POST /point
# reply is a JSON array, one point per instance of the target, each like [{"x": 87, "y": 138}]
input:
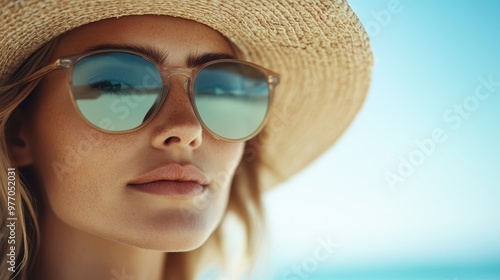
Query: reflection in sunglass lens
[
  {"x": 231, "y": 98},
  {"x": 116, "y": 91}
]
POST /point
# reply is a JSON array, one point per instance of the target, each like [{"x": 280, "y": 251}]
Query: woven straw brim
[{"x": 319, "y": 48}]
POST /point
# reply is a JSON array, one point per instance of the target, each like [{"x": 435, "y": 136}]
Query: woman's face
[{"x": 86, "y": 174}]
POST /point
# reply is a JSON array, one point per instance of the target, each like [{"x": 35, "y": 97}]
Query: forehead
[{"x": 176, "y": 37}]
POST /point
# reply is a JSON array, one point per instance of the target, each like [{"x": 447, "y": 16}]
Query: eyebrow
[
  {"x": 196, "y": 60},
  {"x": 161, "y": 57},
  {"x": 154, "y": 53}
]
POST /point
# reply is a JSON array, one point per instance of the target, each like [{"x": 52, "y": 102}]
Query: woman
[{"x": 133, "y": 131}]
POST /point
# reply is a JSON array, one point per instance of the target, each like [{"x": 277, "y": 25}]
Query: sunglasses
[{"x": 119, "y": 91}]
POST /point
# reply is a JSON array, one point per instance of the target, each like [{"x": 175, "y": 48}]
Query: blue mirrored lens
[
  {"x": 232, "y": 99},
  {"x": 116, "y": 91}
]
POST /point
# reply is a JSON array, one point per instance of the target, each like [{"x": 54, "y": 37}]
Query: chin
[
  {"x": 178, "y": 242},
  {"x": 171, "y": 230},
  {"x": 168, "y": 235}
]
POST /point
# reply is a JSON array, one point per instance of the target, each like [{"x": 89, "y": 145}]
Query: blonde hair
[{"x": 244, "y": 200}]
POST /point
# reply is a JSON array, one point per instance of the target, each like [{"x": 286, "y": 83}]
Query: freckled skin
[{"x": 84, "y": 173}]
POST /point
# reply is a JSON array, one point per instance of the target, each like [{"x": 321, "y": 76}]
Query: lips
[{"x": 173, "y": 180}]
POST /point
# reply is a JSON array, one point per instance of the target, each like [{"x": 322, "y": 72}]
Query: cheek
[
  {"x": 224, "y": 160},
  {"x": 68, "y": 154},
  {"x": 55, "y": 133}
]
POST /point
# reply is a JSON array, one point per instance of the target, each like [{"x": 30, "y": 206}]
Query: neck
[{"x": 67, "y": 253}]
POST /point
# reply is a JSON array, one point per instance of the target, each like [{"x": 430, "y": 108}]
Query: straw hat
[{"x": 318, "y": 47}]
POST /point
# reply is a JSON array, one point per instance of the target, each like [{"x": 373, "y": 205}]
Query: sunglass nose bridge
[{"x": 186, "y": 72}]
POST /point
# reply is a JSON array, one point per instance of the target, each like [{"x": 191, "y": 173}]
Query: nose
[{"x": 176, "y": 124}]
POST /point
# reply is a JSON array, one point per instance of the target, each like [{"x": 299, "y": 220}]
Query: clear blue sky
[{"x": 431, "y": 124}]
